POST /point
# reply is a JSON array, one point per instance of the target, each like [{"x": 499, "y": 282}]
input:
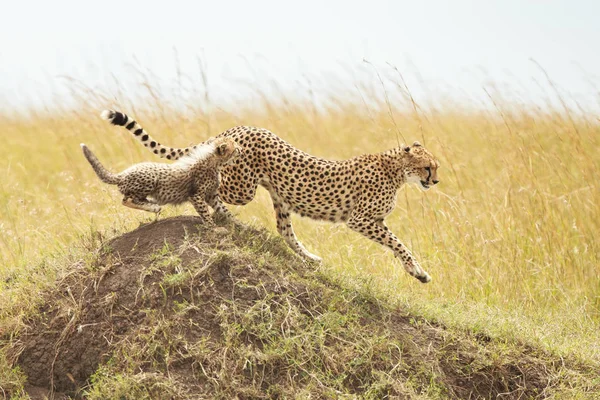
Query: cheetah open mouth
[{"x": 424, "y": 185}]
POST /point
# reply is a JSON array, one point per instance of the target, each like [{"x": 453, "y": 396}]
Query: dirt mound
[
  {"x": 172, "y": 310},
  {"x": 93, "y": 309}
]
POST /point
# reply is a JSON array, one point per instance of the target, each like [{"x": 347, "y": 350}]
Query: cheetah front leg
[
  {"x": 377, "y": 231},
  {"x": 284, "y": 227}
]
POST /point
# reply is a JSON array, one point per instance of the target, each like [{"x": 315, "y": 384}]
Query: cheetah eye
[{"x": 428, "y": 169}]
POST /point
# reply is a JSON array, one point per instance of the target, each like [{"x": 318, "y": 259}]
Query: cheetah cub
[{"x": 194, "y": 177}]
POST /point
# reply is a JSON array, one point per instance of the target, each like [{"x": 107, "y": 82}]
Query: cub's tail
[
  {"x": 121, "y": 119},
  {"x": 105, "y": 175}
]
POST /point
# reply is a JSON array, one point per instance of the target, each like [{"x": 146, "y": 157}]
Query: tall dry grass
[{"x": 509, "y": 235}]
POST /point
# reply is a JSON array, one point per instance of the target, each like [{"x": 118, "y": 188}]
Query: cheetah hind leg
[
  {"x": 142, "y": 204},
  {"x": 285, "y": 229}
]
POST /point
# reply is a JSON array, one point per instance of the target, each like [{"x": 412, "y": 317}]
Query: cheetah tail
[
  {"x": 121, "y": 119},
  {"x": 105, "y": 175}
]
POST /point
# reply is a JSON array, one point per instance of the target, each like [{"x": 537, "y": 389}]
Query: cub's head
[
  {"x": 421, "y": 166},
  {"x": 226, "y": 150}
]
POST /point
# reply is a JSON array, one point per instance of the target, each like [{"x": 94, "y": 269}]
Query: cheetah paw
[{"x": 425, "y": 278}]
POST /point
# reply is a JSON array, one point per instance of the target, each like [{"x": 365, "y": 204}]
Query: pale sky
[{"x": 455, "y": 44}]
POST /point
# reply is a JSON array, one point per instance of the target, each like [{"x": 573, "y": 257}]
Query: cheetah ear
[
  {"x": 407, "y": 149},
  {"x": 417, "y": 144}
]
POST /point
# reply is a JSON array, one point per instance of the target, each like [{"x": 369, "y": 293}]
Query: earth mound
[{"x": 173, "y": 310}]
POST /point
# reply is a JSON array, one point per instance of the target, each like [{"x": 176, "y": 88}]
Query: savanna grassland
[{"x": 509, "y": 236}]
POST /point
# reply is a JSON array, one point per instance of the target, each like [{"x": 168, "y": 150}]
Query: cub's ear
[
  {"x": 407, "y": 149},
  {"x": 222, "y": 149},
  {"x": 417, "y": 144}
]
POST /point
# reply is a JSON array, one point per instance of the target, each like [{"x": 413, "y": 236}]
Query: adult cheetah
[
  {"x": 360, "y": 191},
  {"x": 195, "y": 178}
]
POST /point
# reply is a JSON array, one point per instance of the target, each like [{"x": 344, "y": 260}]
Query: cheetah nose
[{"x": 434, "y": 181}]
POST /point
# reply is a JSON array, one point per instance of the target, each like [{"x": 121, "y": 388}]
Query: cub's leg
[
  {"x": 136, "y": 189},
  {"x": 201, "y": 207},
  {"x": 141, "y": 204},
  {"x": 377, "y": 231},
  {"x": 284, "y": 227},
  {"x": 215, "y": 202}
]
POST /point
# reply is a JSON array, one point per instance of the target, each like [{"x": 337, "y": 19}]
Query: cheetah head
[
  {"x": 421, "y": 167},
  {"x": 227, "y": 150}
]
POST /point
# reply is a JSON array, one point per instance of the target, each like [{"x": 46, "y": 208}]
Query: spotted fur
[
  {"x": 360, "y": 191},
  {"x": 195, "y": 178}
]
